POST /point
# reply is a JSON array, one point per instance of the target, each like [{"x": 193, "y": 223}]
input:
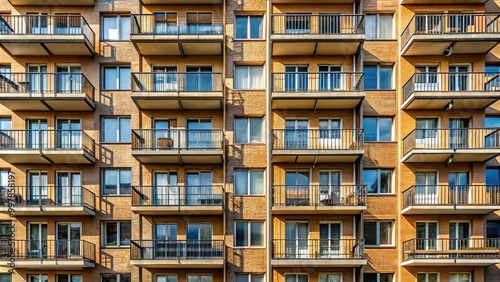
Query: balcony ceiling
[
  {"x": 450, "y": 209},
  {"x": 461, "y": 100},
  {"x": 174, "y": 47},
  {"x": 427, "y": 45},
  {"x": 178, "y": 100},
  {"x": 301, "y": 48}
]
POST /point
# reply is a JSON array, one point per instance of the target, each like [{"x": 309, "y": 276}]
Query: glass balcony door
[
  {"x": 37, "y": 79},
  {"x": 297, "y": 239},
  {"x": 459, "y": 78},
  {"x": 330, "y": 235},
  {"x": 37, "y": 240},
  {"x": 69, "y": 134},
  {"x": 297, "y": 188},
  {"x": 68, "y": 24},
  {"x": 459, "y": 188},
  {"x": 165, "y": 191},
  {"x": 329, "y": 188},
  {"x": 296, "y": 78},
  {"x": 37, "y": 135},
  {"x": 427, "y": 234},
  {"x": 165, "y": 244},
  {"x": 198, "y": 187},
  {"x": 426, "y": 79},
  {"x": 330, "y": 78},
  {"x": 165, "y": 79},
  {"x": 68, "y": 79},
  {"x": 68, "y": 240},
  {"x": 329, "y": 24},
  {"x": 459, "y": 235},
  {"x": 199, "y": 135},
  {"x": 296, "y": 134},
  {"x": 37, "y": 23},
  {"x": 165, "y": 23},
  {"x": 199, "y": 240},
  {"x": 428, "y": 24},
  {"x": 199, "y": 23},
  {"x": 426, "y": 133},
  {"x": 426, "y": 192},
  {"x": 459, "y": 133},
  {"x": 330, "y": 134},
  {"x": 199, "y": 78},
  {"x": 37, "y": 188},
  {"x": 298, "y": 24},
  {"x": 69, "y": 189},
  {"x": 162, "y": 137}
]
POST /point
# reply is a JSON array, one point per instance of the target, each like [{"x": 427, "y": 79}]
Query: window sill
[{"x": 249, "y": 39}]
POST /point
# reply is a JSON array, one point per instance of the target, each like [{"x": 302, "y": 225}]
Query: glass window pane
[
  {"x": 386, "y": 77},
  {"x": 255, "y": 130},
  {"x": 125, "y": 233},
  {"x": 110, "y": 78},
  {"x": 125, "y": 182},
  {"x": 124, "y": 28},
  {"x": 385, "y": 26},
  {"x": 109, "y": 129},
  {"x": 241, "y": 130},
  {"x": 110, "y": 182},
  {"x": 370, "y": 277},
  {"x": 110, "y": 28},
  {"x": 256, "y": 182},
  {"x": 257, "y": 234},
  {"x": 125, "y": 131},
  {"x": 370, "y": 127},
  {"x": 241, "y": 182},
  {"x": 370, "y": 179},
  {"x": 489, "y": 122},
  {"x": 256, "y": 27},
  {"x": 241, "y": 27},
  {"x": 370, "y": 77},
  {"x": 124, "y": 78},
  {"x": 5, "y": 124},
  {"x": 111, "y": 234},
  {"x": 385, "y": 129},
  {"x": 125, "y": 277},
  {"x": 241, "y": 77},
  {"x": 241, "y": 278},
  {"x": 5, "y": 278},
  {"x": 241, "y": 234},
  {"x": 255, "y": 77},
  {"x": 371, "y": 26},
  {"x": 385, "y": 233},
  {"x": 257, "y": 278},
  {"x": 371, "y": 233},
  {"x": 386, "y": 181}
]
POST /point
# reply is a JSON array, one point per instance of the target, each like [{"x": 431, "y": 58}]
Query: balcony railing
[
  {"x": 58, "y": 196},
  {"x": 319, "y": 195},
  {"x": 324, "y": 24},
  {"x": 174, "y": 195},
  {"x": 437, "y": 195},
  {"x": 318, "y": 82},
  {"x": 452, "y": 82},
  {"x": 47, "y": 250},
  {"x": 148, "y": 25},
  {"x": 177, "y": 139},
  {"x": 40, "y": 84},
  {"x": 177, "y": 82},
  {"x": 176, "y": 249},
  {"x": 452, "y": 248},
  {"x": 46, "y": 140},
  {"x": 330, "y": 249},
  {"x": 443, "y": 139},
  {"x": 450, "y": 23},
  {"x": 46, "y": 25},
  {"x": 318, "y": 139}
]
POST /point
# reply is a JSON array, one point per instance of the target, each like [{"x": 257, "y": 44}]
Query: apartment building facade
[{"x": 278, "y": 140}]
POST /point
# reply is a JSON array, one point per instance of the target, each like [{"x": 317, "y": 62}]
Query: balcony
[
  {"x": 47, "y": 147},
  {"x": 48, "y": 201},
  {"x": 318, "y": 253},
  {"x": 178, "y": 146},
  {"x": 317, "y": 146},
  {"x": 52, "y": 2},
  {"x": 175, "y": 200},
  {"x": 46, "y": 92},
  {"x": 314, "y": 1},
  {"x": 444, "y": 34},
  {"x": 468, "y": 90},
  {"x": 451, "y": 199},
  {"x": 181, "y": 2},
  {"x": 323, "y": 90},
  {"x": 319, "y": 199},
  {"x": 48, "y": 254},
  {"x": 442, "y": 2},
  {"x": 177, "y": 253},
  {"x": 41, "y": 35},
  {"x": 152, "y": 37},
  {"x": 317, "y": 35},
  {"x": 447, "y": 145},
  {"x": 178, "y": 91},
  {"x": 451, "y": 252}
]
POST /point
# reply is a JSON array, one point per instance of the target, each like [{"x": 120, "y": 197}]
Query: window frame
[
  {"x": 249, "y": 276},
  {"x": 199, "y": 276},
  {"x": 377, "y": 233},
  {"x": 249, "y": 27},
  {"x": 118, "y": 170},
  {"x": 119, "y": 27},
  {"x": 104, "y": 234},
  {"x": 249, "y": 181},
  {"x": 249, "y": 234},
  {"x": 378, "y": 27},
  {"x": 118, "y": 79},
  {"x": 8, "y": 275},
  {"x": 391, "y": 278},
  {"x": 69, "y": 276},
  {"x": 248, "y": 87},
  {"x": 427, "y": 275},
  {"x": 378, "y": 128},
  {"x": 117, "y": 276},
  {"x": 118, "y": 131},
  {"x": 379, "y": 181},
  {"x": 166, "y": 275},
  {"x": 249, "y": 130},
  {"x": 379, "y": 66},
  {"x": 462, "y": 272}
]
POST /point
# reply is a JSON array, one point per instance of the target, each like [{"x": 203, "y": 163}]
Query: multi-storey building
[{"x": 278, "y": 140}]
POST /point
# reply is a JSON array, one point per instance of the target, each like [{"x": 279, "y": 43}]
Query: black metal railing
[
  {"x": 176, "y": 249},
  {"x": 40, "y": 84},
  {"x": 53, "y": 196},
  {"x": 319, "y": 195},
  {"x": 46, "y": 25},
  {"x": 452, "y": 82},
  {"x": 318, "y": 139},
  {"x": 318, "y": 249},
  {"x": 175, "y": 195},
  {"x": 46, "y": 140},
  {"x": 459, "y": 248},
  {"x": 324, "y": 24},
  {"x": 446, "y": 195},
  {"x": 177, "y": 139},
  {"x": 176, "y": 82},
  {"x": 317, "y": 81},
  {"x": 450, "y": 23},
  {"x": 464, "y": 138},
  {"x": 47, "y": 250},
  {"x": 149, "y": 25}
]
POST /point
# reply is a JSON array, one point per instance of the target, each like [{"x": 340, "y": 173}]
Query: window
[
  {"x": 166, "y": 278},
  {"x": 249, "y": 277},
  {"x": 69, "y": 278},
  {"x": 378, "y": 128},
  {"x": 38, "y": 278},
  {"x": 330, "y": 277},
  {"x": 249, "y": 27},
  {"x": 115, "y": 27},
  {"x": 379, "y": 26},
  {"x": 125, "y": 277},
  {"x": 296, "y": 278},
  {"x": 199, "y": 278},
  {"x": 493, "y": 230},
  {"x": 5, "y": 277},
  {"x": 5, "y": 231},
  {"x": 378, "y": 77},
  {"x": 460, "y": 277},
  {"x": 116, "y": 181},
  {"x": 248, "y": 130},
  {"x": 249, "y": 234},
  {"x": 6, "y": 123},
  {"x": 4, "y": 178},
  {"x": 377, "y": 277},
  {"x": 248, "y": 77},
  {"x": 378, "y": 181},
  {"x": 248, "y": 182},
  {"x": 5, "y": 73},
  {"x": 116, "y": 78},
  {"x": 115, "y": 129},
  {"x": 117, "y": 233},
  {"x": 379, "y": 233},
  {"x": 492, "y": 122},
  {"x": 428, "y": 277}
]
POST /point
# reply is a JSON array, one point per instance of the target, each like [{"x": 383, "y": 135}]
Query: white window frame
[
  {"x": 249, "y": 276},
  {"x": 119, "y": 27},
  {"x": 330, "y": 273},
  {"x": 377, "y": 233},
  {"x": 166, "y": 275},
  {"x": 199, "y": 276},
  {"x": 248, "y": 86},
  {"x": 118, "y": 132},
  {"x": 249, "y": 141},
  {"x": 118, "y": 235},
  {"x": 378, "y": 26},
  {"x": 249, "y": 179},
  {"x": 470, "y": 274},
  {"x": 118, "y": 276},
  {"x": 249, "y": 235},
  {"x": 296, "y": 275},
  {"x": 249, "y": 27},
  {"x": 118, "y": 182},
  {"x": 378, "y": 128},
  {"x": 118, "y": 78},
  {"x": 379, "y": 180},
  {"x": 427, "y": 275}
]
